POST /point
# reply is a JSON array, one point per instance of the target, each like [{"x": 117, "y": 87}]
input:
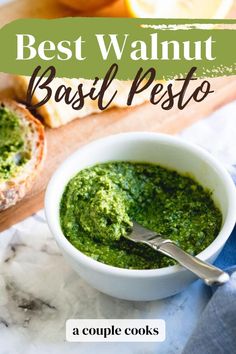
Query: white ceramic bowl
[{"x": 145, "y": 147}]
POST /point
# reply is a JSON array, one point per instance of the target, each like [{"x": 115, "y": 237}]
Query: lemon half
[{"x": 179, "y": 8}]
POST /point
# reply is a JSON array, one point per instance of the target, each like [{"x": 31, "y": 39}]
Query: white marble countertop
[{"x": 39, "y": 292}]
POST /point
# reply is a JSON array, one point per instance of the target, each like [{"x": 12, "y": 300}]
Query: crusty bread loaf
[
  {"x": 15, "y": 189},
  {"x": 56, "y": 114}
]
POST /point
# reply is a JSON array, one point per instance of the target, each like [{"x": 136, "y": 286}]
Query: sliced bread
[{"x": 27, "y": 161}]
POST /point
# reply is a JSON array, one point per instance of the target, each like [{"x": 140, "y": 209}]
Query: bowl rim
[{"x": 217, "y": 244}]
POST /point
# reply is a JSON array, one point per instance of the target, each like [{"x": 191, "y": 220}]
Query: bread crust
[{"x": 11, "y": 191}]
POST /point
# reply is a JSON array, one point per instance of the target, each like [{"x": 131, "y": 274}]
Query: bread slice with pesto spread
[{"x": 22, "y": 151}]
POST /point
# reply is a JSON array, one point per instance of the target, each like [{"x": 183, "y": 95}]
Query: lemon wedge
[{"x": 179, "y": 8}]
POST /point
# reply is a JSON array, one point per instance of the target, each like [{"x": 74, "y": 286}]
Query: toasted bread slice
[{"x": 15, "y": 188}]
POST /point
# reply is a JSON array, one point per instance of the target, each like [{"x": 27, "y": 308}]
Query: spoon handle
[{"x": 208, "y": 273}]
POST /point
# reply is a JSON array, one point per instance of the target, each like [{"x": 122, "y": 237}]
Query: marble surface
[{"x": 39, "y": 291}]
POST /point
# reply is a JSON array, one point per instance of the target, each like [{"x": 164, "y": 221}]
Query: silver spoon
[{"x": 208, "y": 273}]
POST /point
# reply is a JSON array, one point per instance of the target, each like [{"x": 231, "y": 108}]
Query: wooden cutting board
[{"x": 63, "y": 141}]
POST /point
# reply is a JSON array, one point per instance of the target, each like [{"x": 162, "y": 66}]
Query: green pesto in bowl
[
  {"x": 13, "y": 150},
  {"x": 100, "y": 202}
]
